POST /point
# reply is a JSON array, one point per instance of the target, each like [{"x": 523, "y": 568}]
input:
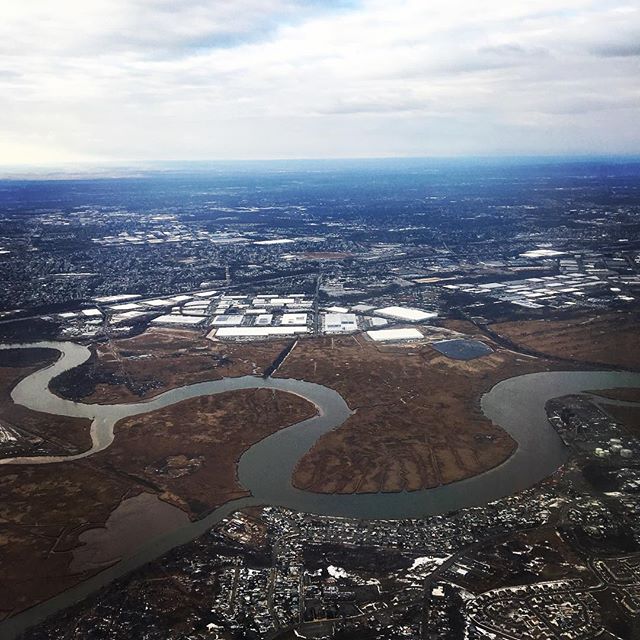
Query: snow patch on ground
[{"x": 337, "y": 572}]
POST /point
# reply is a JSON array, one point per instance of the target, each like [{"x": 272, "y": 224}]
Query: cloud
[
  {"x": 289, "y": 78},
  {"x": 621, "y": 50},
  {"x": 144, "y": 27},
  {"x": 389, "y": 104}
]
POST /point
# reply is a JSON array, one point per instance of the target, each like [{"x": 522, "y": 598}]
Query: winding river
[{"x": 517, "y": 405}]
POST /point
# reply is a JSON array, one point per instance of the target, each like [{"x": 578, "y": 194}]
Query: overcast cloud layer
[{"x": 161, "y": 79}]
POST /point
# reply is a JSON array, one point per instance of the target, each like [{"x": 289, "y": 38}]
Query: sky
[{"x": 140, "y": 80}]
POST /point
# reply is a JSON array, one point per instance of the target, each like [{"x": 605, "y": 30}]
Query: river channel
[{"x": 517, "y": 405}]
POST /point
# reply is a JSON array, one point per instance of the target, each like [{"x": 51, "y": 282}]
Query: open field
[
  {"x": 610, "y": 339},
  {"x": 160, "y": 359},
  {"x": 418, "y": 421}
]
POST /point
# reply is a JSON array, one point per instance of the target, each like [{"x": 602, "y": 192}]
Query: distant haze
[{"x": 114, "y": 80}]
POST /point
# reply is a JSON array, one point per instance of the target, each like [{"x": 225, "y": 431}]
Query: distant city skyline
[{"x": 135, "y": 80}]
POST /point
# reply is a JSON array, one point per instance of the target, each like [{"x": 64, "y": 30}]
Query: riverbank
[
  {"x": 265, "y": 469},
  {"x": 418, "y": 423}
]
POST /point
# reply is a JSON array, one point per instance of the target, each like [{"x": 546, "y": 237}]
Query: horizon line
[{"x": 138, "y": 163}]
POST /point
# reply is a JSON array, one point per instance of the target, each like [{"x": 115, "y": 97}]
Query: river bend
[{"x": 517, "y": 405}]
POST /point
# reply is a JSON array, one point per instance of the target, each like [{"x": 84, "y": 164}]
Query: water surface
[{"x": 517, "y": 405}]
